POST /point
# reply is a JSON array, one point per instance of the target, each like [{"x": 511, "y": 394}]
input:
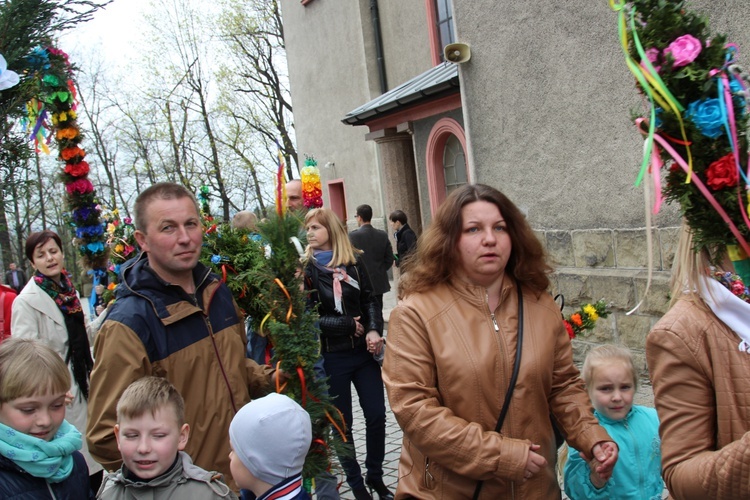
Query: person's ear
[
  {"x": 117, "y": 435},
  {"x": 140, "y": 238},
  {"x": 184, "y": 435}
]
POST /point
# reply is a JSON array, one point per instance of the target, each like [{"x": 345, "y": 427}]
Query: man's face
[
  {"x": 12, "y": 266},
  {"x": 173, "y": 237},
  {"x": 294, "y": 196}
]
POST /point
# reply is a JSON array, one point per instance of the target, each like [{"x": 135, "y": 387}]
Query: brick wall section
[{"x": 612, "y": 264}]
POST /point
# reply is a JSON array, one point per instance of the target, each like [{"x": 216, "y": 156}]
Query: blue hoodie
[{"x": 637, "y": 474}]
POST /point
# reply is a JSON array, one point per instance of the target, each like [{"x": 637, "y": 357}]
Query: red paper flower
[
  {"x": 722, "y": 173},
  {"x": 77, "y": 169},
  {"x": 569, "y": 329},
  {"x": 80, "y": 186}
]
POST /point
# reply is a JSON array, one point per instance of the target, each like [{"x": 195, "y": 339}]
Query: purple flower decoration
[{"x": 684, "y": 50}]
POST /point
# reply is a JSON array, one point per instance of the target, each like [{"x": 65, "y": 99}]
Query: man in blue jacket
[{"x": 175, "y": 319}]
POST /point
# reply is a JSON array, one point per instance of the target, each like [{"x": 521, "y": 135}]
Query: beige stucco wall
[{"x": 333, "y": 70}]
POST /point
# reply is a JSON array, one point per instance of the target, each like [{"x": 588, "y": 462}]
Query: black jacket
[
  {"x": 337, "y": 331},
  {"x": 21, "y": 279},
  {"x": 377, "y": 256},
  {"x": 406, "y": 243},
  {"x": 17, "y": 484}
]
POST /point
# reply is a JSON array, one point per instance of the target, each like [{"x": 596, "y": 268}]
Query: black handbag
[{"x": 513, "y": 378}]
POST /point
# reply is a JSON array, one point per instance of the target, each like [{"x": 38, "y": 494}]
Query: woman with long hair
[
  {"x": 48, "y": 309},
  {"x": 698, "y": 357},
  {"x": 351, "y": 326},
  {"x": 479, "y": 365}
]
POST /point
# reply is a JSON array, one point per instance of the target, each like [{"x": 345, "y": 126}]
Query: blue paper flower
[
  {"x": 38, "y": 59},
  {"x": 706, "y": 115},
  {"x": 215, "y": 259}
]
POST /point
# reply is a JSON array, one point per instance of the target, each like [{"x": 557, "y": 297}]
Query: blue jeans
[{"x": 358, "y": 367}]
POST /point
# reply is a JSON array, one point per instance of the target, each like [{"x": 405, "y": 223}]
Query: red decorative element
[
  {"x": 80, "y": 186},
  {"x": 722, "y": 173},
  {"x": 79, "y": 169},
  {"x": 569, "y": 329}
]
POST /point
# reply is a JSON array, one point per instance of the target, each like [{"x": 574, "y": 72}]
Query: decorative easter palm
[
  {"x": 696, "y": 121},
  {"x": 52, "y": 114}
]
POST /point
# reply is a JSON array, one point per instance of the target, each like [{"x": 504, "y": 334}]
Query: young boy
[
  {"x": 151, "y": 433},
  {"x": 270, "y": 438}
]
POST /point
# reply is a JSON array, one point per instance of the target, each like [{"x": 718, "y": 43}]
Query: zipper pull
[{"x": 494, "y": 322}]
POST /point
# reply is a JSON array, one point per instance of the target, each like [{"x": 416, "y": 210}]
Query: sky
[{"x": 115, "y": 31}]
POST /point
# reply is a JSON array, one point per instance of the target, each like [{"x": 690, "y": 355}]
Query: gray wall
[
  {"x": 548, "y": 97},
  {"x": 333, "y": 70}
]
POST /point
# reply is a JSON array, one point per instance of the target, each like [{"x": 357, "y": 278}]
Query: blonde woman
[
  {"x": 699, "y": 364},
  {"x": 351, "y": 326}
]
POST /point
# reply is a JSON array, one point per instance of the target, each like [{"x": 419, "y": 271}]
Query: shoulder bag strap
[{"x": 513, "y": 377}]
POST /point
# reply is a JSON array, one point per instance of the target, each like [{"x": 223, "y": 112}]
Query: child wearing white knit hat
[{"x": 270, "y": 438}]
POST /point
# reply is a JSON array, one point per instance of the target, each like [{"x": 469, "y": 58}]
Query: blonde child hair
[
  {"x": 150, "y": 394},
  {"x": 604, "y": 355},
  {"x": 28, "y": 368},
  {"x": 343, "y": 251}
]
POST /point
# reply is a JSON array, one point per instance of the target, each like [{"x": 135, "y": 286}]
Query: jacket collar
[
  {"x": 603, "y": 418},
  {"x": 478, "y": 294},
  {"x": 39, "y": 300},
  {"x": 139, "y": 279}
]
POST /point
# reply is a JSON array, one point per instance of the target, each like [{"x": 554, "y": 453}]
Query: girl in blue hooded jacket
[
  {"x": 38, "y": 448},
  {"x": 611, "y": 380}
]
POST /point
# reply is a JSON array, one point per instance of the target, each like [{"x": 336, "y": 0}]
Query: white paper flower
[{"x": 8, "y": 78}]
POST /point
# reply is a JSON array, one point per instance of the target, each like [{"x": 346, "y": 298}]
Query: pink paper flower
[
  {"x": 80, "y": 186},
  {"x": 653, "y": 55},
  {"x": 684, "y": 50}
]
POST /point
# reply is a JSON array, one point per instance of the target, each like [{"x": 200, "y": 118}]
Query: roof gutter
[{"x": 375, "y": 14}]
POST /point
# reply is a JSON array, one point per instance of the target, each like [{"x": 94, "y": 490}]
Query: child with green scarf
[{"x": 38, "y": 448}]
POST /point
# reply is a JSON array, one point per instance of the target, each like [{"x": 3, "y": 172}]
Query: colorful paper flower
[
  {"x": 77, "y": 169},
  {"x": 722, "y": 173},
  {"x": 706, "y": 115},
  {"x": 653, "y": 55},
  {"x": 79, "y": 186},
  {"x": 684, "y": 50}
]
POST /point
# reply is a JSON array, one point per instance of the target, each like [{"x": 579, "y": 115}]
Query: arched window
[
  {"x": 454, "y": 164},
  {"x": 446, "y": 160}
]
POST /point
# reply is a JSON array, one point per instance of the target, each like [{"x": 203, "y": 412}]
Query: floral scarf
[
  {"x": 339, "y": 275},
  {"x": 50, "y": 460},
  {"x": 79, "y": 351}
]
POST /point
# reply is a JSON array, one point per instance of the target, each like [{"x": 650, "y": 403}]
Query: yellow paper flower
[
  {"x": 111, "y": 228},
  {"x": 591, "y": 311},
  {"x": 119, "y": 248}
]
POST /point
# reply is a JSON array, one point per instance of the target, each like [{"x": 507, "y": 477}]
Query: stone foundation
[{"x": 612, "y": 264}]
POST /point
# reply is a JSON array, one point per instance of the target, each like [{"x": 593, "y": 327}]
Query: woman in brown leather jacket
[
  {"x": 453, "y": 342},
  {"x": 698, "y": 356},
  {"x": 351, "y": 327}
]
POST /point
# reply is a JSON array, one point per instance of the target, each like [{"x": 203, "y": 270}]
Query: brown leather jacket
[
  {"x": 701, "y": 393},
  {"x": 447, "y": 369}
]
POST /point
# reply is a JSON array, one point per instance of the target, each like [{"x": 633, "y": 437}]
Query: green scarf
[{"x": 50, "y": 460}]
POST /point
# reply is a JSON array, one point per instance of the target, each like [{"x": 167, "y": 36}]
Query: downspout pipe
[{"x": 375, "y": 14}]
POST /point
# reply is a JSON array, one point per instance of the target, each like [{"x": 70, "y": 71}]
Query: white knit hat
[{"x": 271, "y": 436}]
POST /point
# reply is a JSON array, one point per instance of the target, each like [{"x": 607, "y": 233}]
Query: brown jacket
[
  {"x": 447, "y": 370},
  {"x": 701, "y": 393}
]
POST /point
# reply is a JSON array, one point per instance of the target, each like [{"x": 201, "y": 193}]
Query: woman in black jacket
[{"x": 351, "y": 326}]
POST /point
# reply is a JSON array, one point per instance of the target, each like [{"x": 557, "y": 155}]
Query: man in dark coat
[
  {"x": 15, "y": 278},
  {"x": 406, "y": 239},
  {"x": 378, "y": 253}
]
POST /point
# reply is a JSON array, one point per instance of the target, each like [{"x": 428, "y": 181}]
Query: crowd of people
[{"x": 161, "y": 398}]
